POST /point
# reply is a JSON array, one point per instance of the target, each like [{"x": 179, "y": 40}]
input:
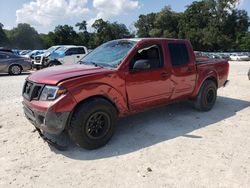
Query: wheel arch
[
  {"x": 97, "y": 97},
  {"x": 53, "y": 61},
  {"x": 212, "y": 76},
  {"x": 88, "y": 99}
]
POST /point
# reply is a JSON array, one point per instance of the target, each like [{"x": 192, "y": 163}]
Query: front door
[{"x": 151, "y": 85}]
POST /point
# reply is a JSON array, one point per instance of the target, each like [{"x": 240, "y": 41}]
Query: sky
[{"x": 44, "y": 15}]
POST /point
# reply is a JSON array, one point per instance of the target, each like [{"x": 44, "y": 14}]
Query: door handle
[
  {"x": 78, "y": 56},
  {"x": 164, "y": 75}
]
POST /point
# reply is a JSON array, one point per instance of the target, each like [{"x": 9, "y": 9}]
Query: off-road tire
[
  {"x": 206, "y": 97},
  {"x": 79, "y": 124}
]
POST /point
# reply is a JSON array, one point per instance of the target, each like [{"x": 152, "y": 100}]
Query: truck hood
[{"x": 53, "y": 75}]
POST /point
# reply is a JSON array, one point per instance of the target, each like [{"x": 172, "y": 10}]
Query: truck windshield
[
  {"x": 109, "y": 54},
  {"x": 53, "y": 48},
  {"x": 61, "y": 50}
]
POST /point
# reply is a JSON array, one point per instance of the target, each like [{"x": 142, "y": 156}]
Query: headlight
[{"x": 52, "y": 92}]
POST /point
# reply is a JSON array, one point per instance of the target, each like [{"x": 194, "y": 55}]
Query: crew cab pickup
[{"x": 117, "y": 79}]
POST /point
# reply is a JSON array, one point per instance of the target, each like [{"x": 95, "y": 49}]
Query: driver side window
[{"x": 151, "y": 54}]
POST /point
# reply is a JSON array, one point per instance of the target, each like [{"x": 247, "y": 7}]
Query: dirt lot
[{"x": 173, "y": 146}]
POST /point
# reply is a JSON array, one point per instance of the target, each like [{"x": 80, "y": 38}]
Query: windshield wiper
[
  {"x": 90, "y": 62},
  {"x": 96, "y": 65}
]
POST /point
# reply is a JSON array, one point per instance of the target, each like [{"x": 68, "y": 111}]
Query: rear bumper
[{"x": 50, "y": 122}]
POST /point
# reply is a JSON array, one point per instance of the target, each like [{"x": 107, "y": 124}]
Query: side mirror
[{"x": 142, "y": 64}]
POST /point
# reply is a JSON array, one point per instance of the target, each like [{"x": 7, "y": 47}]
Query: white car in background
[
  {"x": 39, "y": 60},
  {"x": 59, "y": 55},
  {"x": 239, "y": 57},
  {"x": 69, "y": 54}
]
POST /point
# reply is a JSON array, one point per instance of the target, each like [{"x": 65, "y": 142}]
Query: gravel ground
[{"x": 172, "y": 146}]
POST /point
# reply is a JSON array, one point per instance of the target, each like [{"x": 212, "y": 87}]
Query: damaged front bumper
[{"x": 50, "y": 122}]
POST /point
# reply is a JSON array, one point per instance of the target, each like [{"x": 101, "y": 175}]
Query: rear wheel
[
  {"x": 207, "y": 96},
  {"x": 93, "y": 123},
  {"x": 15, "y": 70}
]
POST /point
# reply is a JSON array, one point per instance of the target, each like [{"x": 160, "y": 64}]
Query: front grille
[
  {"x": 38, "y": 58},
  {"x": 32, "y": 91}
]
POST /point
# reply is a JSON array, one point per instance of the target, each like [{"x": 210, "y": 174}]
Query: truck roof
[{"x": 153, "y": 39}]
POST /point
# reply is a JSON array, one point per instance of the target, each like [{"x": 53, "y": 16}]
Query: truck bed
[{"x": 218, "y": 68}]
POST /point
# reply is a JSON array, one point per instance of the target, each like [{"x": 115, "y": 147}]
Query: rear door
[
  {"x": 4, "y": 62},
  {"x": 183, "y": 75},
  {"x": 81, "y": 53},
  {"x": 70, "y": 55}
]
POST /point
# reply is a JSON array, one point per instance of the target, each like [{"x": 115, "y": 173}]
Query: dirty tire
[
  {"x": 93, "y": 123},
  {"x": 54, "y": 63},
  {"x": 207, "y": 96},
  {"x": 15, "y": 70}
]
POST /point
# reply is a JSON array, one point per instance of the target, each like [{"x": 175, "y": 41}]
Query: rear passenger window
[
  {"x": 2, "y": 56},
  {"x": 178, "y": 54},
  {"x": 72, "y": 51},
  {"x": 81, "y": 51}
]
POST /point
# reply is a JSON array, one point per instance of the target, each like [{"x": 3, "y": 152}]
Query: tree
[
  {"x": 82, "y": 26},
  {"x": 3, "y": 37},
  {"x": 244, "y": 42},
  {"x": 24, "y": 37},
  {"x": 84, "y": 35},
  {"x": 47, "y": 40},
  {"x": 145, "y": 24},
  {"x": 64, "y": 35},
  {"x": 166, "y": 24},
  {"x": 106, "y": 31},
  {"x": 213, "y": 24}
]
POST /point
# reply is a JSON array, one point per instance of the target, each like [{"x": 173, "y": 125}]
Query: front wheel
[
  {"x": 93, "y": 123},
  {"x": 15, "y": 70},
  {"x": 207, "y": 96},
  {"x": 54, "y": 63}
]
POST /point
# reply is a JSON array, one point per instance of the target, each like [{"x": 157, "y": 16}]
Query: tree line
[{"x": 211, "y": 25}]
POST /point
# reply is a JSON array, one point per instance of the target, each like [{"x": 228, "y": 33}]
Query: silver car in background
[{"x": 13, "y": 64}]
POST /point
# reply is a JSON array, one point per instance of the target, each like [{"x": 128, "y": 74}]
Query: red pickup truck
[{"x": 117, "y": 79}]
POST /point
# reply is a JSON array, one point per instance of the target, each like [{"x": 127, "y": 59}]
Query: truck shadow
[
  {"x": 7, "y": 75},
  {"x": 155, "y": 126}
]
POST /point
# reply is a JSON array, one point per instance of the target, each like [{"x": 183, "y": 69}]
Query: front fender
[{"x": 104, "y": 90}]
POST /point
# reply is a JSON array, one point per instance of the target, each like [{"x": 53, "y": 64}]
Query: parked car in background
[
  {"x": 225, "y": 56},
  {"x": 34, "y": 53},
  {"x": 117, "y": 79},
  {"x": 66, "y": 55},
  {"x": 200, "y": 56},
  {"x": 16, "y": 51},
  {"x": 24, "y": 52},
  {"x": 239, "y": 57},
  {"x": 5, "y": 50},
  {"x": 13, "y": 64},
  {"x": 249, "y": 74},
  {"x": 39, "y": 60}
]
